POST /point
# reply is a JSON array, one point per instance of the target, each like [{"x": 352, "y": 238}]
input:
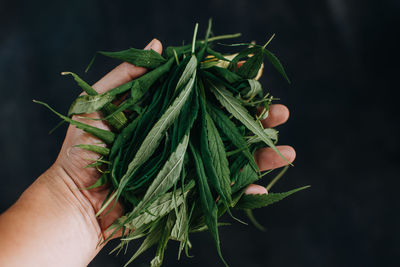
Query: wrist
[
  {"x": 73, "y": 205},
  {"x": 52, "y": 224}
]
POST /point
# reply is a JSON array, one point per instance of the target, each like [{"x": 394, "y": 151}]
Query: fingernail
[{"x": 148, "y": 47}]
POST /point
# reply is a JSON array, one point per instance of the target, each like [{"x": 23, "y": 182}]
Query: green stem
[
  {"x": 222, "y": 37},
  {"x": 280, "y": 174}
]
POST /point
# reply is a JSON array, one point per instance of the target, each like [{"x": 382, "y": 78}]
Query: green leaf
[
  {"x": 212, "y": 157},
  {"x": 85, "y": 104},
  {"x": 242, "y": 54},
  {"x": 106, "y": 136},
  {"x": 188, "y": 72},
  {"x": 101, "y": 181},
  {"x": 82, "y": 84},
  {"x": 276, "y": 63},
  {"x": 239, "y": 112},
  {"x": 117, "y": 120},
  {"x": 124, "y": 136},
  {"x": 97, "y": 149},
  {"x": 250, "y": 68},
  {"x": 255, "y": 89},
  {"x": 227, "y": 75},
  {"x": 245, "y": 177},
  {"x": 154, "y": 236},
  {"x": 178, "y": 232},
  {"x": 259, "y": 201},
  {"x": 165, "y": 178},
  {"x": 270, "y": 132},
  {"x": 149, "y": 59},
  {"x": 159, "y": 208},
  {"x": 231, "y": 132},
  {"x": 219, "y": 159},
  {"x": 94, "y": 102},
  {"x": 216, "y": 54},
  {"x": 143, "y": 83},
  {"x": 208, "y": 204},
  {"x": 152, "y": 140},
  {"x": 162, "y": 244}
]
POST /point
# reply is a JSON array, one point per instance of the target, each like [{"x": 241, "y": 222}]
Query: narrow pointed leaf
[
  {"x": 270, "y": 132},
  {"x": 106, "y": 136},
  {"x": 162, "y": 244},
  {"x": 231, "y": 132},
  {"x": 152, "y": 238},
  {"x": 85, "y": 104},
  {"x": 179, "y": 230},
  {"x": 255, "y": 89},
  {"x": 159, "y": 208},
  {"x": 240, "y": 113},
  {"x": 149, "y": 59},
  {"x": 250, "y": 68},
  {"x": 117, "y": 121},
  {"x": 208, "y": 204},
  {"x": 101, "y": 181},
  {"x": 276, "y": 63},
  {"x": 219, "y": 159},
  {"x": 97, "y": 149},
  {"x": 227, "y": 75},
  {"x": 165, "y": 179},
  {"x": 245, "y": 177},
  {"x": 259, "y": 201}
]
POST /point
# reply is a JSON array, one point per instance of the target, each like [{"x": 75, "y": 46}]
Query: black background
[{"x": 341, "y": 57}]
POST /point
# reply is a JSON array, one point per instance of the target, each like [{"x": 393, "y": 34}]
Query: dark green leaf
[
  {"x": 106, "y": 136},
  {"x": 97, "y": 149},
  {"x": 207, "y": 202},
  {"x": 231, "y": 132},
  {"x": 101, "y": 181},
  {"x": 250, "y": 68},
  {"x": 276, "y": 63},
  {"x": 149, "y": 59},
  {"x": 219, "y": 159},
  {"x": 227, "y": 75},
  {"x": 259, "y": 201},
  {"x": 245, "y": 177}
]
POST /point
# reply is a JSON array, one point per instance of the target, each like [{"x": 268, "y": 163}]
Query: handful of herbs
[{"x": 183, "y": 154}]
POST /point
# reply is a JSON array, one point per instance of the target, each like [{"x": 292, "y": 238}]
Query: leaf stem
[
  {"x": 280, "y": 174},
  {"x": 270, "y": 39},
  {"x": 226, "y": 36},
  {"x": 194, "y": 37}
]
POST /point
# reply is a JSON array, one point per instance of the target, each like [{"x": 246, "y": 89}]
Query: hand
[
  {"x": 56, "y": 214},
  {"x": 72, "y": 160}
]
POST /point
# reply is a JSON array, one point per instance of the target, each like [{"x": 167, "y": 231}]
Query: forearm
[{"x": 51, "y": 224}]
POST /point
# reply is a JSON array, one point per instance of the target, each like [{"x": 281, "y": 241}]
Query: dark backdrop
[{"x": 341, "y": 56}]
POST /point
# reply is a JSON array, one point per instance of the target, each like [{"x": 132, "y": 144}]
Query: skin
[{"x": 53, "y": 223}]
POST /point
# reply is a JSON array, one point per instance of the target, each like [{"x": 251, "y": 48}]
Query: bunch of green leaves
[{"x": 180, "y": 152}]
